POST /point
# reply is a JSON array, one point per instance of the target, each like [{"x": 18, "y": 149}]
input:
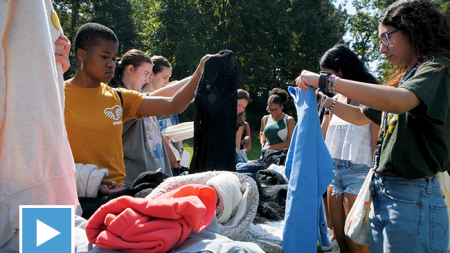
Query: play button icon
[
  {"x": 46, "y": 229},
  {"x": 44, "y": 232}
]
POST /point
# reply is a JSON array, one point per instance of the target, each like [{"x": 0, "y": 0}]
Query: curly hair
[
  {"x": 90, "y": 34},
  {"x": 278, "y": 96},
  {"x": 427, "y": 27},
  {"x": 133, "y": 57},
  {"x": 340, "y": 58}
]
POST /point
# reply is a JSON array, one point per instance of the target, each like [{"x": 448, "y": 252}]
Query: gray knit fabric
[
  {"x": 88, "y": 178},
  {"x": 248, "y": 186}
]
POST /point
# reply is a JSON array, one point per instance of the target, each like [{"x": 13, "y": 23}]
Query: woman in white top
[{"x": 350, "y": 146}]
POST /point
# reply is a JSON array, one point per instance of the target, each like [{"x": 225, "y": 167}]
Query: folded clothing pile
[{"x": 152, "y": 225}]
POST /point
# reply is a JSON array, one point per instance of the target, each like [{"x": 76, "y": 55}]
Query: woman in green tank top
[{"x": 277, "y": 127}]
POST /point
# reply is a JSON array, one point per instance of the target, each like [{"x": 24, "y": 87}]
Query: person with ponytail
[
  {"x": 351, "y": 147},
  {"x": 143, "y": 146},
  {"x": 277, "y": 127},
  {"x": 408, "y": 212},
  {"x": 160, "y": 77},
  {"x": 94, "y": 112}
]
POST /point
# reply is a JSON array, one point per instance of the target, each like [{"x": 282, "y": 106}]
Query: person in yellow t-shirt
[{"x": 94, "y": 112}]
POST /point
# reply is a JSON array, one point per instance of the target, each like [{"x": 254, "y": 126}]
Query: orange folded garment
[{"x": 152, "y": 225}]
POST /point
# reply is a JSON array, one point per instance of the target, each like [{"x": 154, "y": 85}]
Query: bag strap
[{"x": 120, "y": 95}]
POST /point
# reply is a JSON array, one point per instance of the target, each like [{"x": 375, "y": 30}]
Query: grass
[{"x": 253, "y": 154}]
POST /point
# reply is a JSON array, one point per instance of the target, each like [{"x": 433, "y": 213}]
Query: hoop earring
[{"x": 82, "y": 65}]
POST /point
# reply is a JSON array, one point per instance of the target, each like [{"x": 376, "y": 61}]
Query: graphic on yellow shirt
[
  {"x": 93, "y": 118},
  {"x": 114, "y": 113}
]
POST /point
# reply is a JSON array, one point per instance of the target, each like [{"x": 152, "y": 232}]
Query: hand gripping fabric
[
  {"x": 215, "y": 108},
  {"x": 309, "y": 169}
]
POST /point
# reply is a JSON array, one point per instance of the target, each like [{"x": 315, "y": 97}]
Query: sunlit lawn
[{"x": 253, "y": 154}]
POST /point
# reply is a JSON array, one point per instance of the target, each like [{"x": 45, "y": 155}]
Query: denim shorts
[
  {"x": 348, "y": 177},
  {"x": 408, "y": 216}
]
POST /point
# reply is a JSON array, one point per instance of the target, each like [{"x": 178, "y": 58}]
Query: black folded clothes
[
  {"x": 272, "y": 196},
  {"x": 141, "y": 187}
]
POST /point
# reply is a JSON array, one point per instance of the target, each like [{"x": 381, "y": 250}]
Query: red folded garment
[{"x": 152, "y": 225}]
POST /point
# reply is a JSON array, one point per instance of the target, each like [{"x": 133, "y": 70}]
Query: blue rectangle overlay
[{"x": 46, "y": 228}]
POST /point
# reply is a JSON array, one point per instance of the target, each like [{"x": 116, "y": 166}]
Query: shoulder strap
[
  {"x": 120, "y": 95},
  {"x": 267, "y": 119}
]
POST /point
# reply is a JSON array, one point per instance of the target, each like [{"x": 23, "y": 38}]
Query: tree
[
  {"x": 116, "y": 14},
  {"x": 364, "y": 26},
  {"x": 71, "y": 16},
  {"x": 273, "y": 40}
]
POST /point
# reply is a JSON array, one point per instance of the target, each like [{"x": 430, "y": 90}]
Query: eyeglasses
[
  {"x": 271, "y": 110},
  {"x": 385, "y": 38}
]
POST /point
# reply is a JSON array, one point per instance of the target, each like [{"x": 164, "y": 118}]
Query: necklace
[{"x": 385, "y": 116}]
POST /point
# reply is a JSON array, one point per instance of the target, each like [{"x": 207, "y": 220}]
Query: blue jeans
[
  {"x": 408, "y": 216},
  {"x": 349, "y": 177}
]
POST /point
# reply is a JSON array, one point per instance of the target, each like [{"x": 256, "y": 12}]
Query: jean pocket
[
  {"x": 399, "y": 197},
  {"x": 439, "y": 226},
  {"x": 359, "y": 168}
]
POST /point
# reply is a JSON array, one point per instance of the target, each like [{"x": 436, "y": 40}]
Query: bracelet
[
  {"x": 330, "y": 81},
  {"x": 332, "y": 105},
  {"x": 332, "y": 86},
  {"x": 324, "y": 100},
  {"x": 319, "y": 97}
]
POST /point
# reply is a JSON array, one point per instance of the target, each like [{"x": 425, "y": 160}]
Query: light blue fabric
[{"x": 309, "y": 169}]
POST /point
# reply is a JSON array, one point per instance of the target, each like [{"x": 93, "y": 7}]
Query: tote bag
[
  {"x": 357, "y": 223},
  {"x": 444, "y": 182}
]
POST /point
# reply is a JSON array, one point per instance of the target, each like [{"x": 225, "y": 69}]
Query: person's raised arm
[
  {"x": 157, "y": 105},
  {"x": 383, "y": 98},
  {"x": 62, "y": 52},
  {"x": 349, "y": 113},
  {"x": 171, "y": 89}
]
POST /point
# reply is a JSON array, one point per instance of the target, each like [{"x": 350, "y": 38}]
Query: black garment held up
[{"x": 215, "y": 109}]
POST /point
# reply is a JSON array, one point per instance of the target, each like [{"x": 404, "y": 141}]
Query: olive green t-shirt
[{"x": 417, "y": 143}]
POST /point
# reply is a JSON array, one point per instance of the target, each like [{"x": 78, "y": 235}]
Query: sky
[
  {"x": 348, "y": 6},
  {"x": 347, "y": 37}
]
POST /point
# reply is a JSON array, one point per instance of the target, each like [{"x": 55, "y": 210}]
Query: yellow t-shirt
[{"x": 94, "y": 119}]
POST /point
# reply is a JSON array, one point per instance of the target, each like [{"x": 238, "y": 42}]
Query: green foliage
[
  {"x": 364, "y": 29},
  {"x": 116, "y": 14},
  {"x": 71, "y": 17},
  {"x": 273, "y": 40}
]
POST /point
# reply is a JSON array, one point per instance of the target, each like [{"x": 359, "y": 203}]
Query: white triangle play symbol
[{"x": 44, "y": 232}]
